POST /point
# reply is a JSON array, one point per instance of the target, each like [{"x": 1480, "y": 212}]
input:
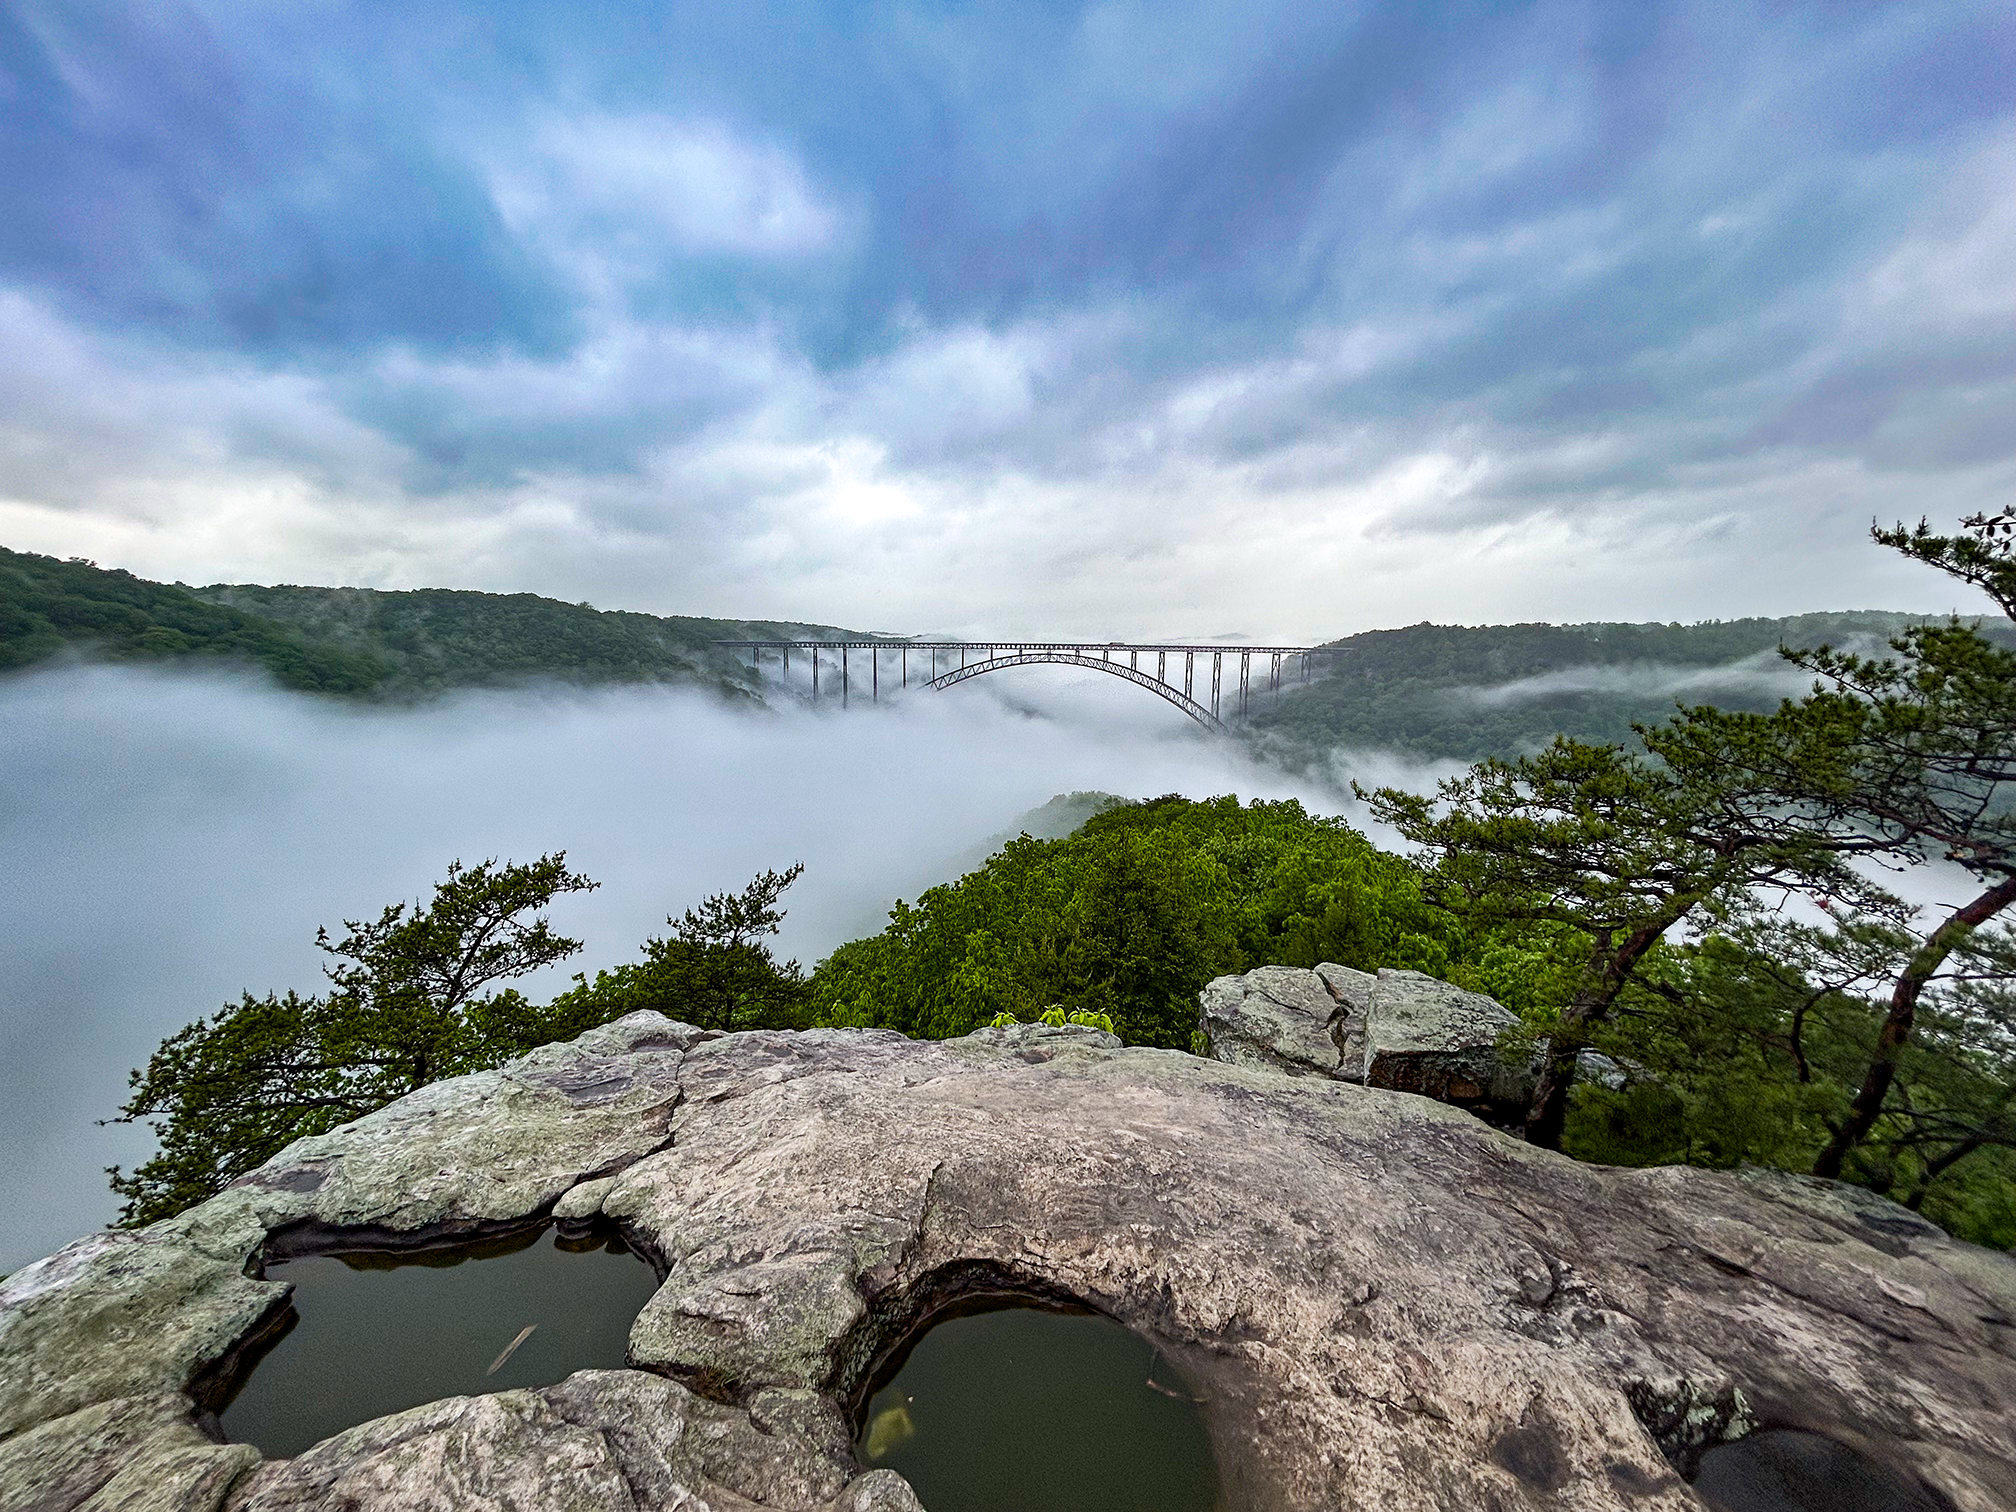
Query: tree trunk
[
  {"x": 1896, "y": 1031},
  {"x": 1610, "y": 966},
  {"x": 1547, "y": 1117},
  {"x": 1934, "y": 1169}
]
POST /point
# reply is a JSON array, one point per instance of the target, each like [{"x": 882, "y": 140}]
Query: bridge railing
[{"x": 939, "y": 669}]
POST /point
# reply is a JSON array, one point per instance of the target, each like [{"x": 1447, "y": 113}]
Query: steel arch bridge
[{"x": 1178, "y": 676}]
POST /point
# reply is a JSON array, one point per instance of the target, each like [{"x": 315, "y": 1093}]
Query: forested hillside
[
  {"x": 1467, "y": 692},
  {"x": 433, "y": 639},
  {"x": 49, "y": 607},
  {"x": 1130, "y": 915},
  {"x": 1432, "y": 691},
  {"x": 360, "y": 642}
]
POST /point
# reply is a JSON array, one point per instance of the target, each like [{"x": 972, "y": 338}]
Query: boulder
[
  {"x": 1428, "y": 1037},
  {"x": 1282, "y": 1018},
  {"x": 1381, "y": 1301},
  {"x": 1401, "y": 1030}
]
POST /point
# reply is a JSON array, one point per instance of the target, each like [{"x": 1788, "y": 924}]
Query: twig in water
[
  {"x": 1154, "y": 1385},
  {"x": 511, "y": 1349}
]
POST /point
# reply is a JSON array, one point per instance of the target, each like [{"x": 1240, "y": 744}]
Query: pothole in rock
[
  {"x": 1014, "y": 1408},
  {"x": 1787, "y": 1470},
  {"x": 369, "y": 1333}
]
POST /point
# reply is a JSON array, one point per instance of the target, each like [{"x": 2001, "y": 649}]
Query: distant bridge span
[{"x": 1174, "y": 680}]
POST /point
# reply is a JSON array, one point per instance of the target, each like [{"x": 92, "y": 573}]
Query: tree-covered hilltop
[
  {"x": 50, "y": 607},
  {"x": 1464, "y": 693},
  {"x": 435, "y": 639},
  {"x": 361, "y": 642},
  {"x": 1129, "y": 916}
]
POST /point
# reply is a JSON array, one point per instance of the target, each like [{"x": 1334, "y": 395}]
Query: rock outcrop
[
  {"x": 1384, "y": 1303},
  {"x": 1401, "y": 1030}
]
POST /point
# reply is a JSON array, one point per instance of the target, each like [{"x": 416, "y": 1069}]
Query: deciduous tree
[{"x": 715, "y": 969}]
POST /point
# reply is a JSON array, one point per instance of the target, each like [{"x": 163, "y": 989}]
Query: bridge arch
[{"x": 1161, "y": 690}]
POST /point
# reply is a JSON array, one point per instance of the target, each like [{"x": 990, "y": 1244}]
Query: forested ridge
[
  {"x": 50, "y": 607},
  {"x": 362, "y": 642},
  {"x": 434, "y": 639},
  {"x": 1467, "y": 692},
  {"x": 1448, "y": 692}
]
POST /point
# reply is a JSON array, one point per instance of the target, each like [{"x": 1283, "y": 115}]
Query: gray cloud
[{"x": 1088, "y": 320}]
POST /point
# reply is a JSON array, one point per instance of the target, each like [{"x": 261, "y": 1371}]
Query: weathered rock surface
[
  {"x": 1384, "y": 1303},
  {"x": 1401, "y": 1030},
  {"x": 601, "y": 1439},
  {"x": 1428, "y": 1037},
  {"x": 1275, "y": 1018}
]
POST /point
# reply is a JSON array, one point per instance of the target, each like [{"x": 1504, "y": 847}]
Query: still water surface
[
  {"x": 378, "y": 1333},
  {"x": 1785, "y": 1470},
  {"x": 1025, "y": 1410}
]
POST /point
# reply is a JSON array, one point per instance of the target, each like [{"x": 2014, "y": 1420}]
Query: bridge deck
[
  {"x": 894, "y": 643},
  {"x": 1122, "y": 658}
]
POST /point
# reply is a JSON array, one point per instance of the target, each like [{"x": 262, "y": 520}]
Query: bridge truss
[{"x": 1178, "y": 675}]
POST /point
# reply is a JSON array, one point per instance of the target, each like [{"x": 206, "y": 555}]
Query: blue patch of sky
[{"x": 307, "y": 184}]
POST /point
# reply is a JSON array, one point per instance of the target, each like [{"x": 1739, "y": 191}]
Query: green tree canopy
[
  {"x": 1926, "y": 764},
  {"x": 1747, "y": 1045},
  {"x": 1615, "y": 849},
  {"x": 1130, "y": 916},
  {"x": 714, "y": 970},
  {"x": 410, "y": 1004}
]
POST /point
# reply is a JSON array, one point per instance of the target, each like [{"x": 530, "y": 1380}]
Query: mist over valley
[{"x": 175, "y": 839}]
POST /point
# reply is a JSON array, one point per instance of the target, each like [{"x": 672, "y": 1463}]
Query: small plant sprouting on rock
[{"x": 1057, "y": 1018}]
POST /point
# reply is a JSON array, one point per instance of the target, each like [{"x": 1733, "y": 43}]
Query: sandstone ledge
[{"x": 1385, "y": 1303}]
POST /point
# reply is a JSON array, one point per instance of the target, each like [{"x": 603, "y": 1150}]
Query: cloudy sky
[{"x": 1190, "y": 318}]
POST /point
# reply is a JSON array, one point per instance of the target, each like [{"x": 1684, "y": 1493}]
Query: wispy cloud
[{"x": 1765, "y": 673}]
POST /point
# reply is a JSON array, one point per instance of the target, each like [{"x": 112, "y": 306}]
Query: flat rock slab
[{"x": 1383, "y": 1303}]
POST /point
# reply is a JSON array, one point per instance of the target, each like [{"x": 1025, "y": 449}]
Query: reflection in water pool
[
  {"x": 1783, "y": 1470},
  {"x": 377, "y": 1333},
  {"x": 1025, "y": 1410}
]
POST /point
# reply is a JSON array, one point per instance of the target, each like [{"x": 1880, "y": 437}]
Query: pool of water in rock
[
  {"x": 1020, "y": 1409},
  {"x": 377, "y": 1333},
  {"x": 1786, "y": 1470}
]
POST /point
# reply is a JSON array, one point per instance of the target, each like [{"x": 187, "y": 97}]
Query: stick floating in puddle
[
  {"x": 1154, "y": 1385},
  {"x": 510, "y": 1349}
]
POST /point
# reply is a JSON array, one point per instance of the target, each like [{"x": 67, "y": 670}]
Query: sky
[{"x": 1187, "y": 319}]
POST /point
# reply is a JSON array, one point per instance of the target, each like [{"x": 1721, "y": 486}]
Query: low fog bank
[
  {"x": 170, "y": 842},
  {"x": 1766, "y": 673}
]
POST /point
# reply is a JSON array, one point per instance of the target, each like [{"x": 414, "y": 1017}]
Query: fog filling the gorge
[{"x": 171, "y": 842}]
